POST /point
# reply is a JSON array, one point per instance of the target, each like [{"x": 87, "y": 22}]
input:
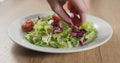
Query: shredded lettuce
[
  {"x": 91, "y": 31},
  {"x": 42, "y": 35}
]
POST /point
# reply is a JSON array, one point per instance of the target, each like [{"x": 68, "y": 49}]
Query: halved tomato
[
  {"x": 56, "y": 18},
  {"x": 27, "y": 26}
]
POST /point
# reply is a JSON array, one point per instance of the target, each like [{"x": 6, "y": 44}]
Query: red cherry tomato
[
  {"x": 71, "y": 8},
  {"x": 56, "y": 18},
  {"x": 27, "y": 26},
  {"x": 76, "y": 21}
]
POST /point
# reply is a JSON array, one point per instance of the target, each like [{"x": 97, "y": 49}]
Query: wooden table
[{"x": 10, "y": 10}]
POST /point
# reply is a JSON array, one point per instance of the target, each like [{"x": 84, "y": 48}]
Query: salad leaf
[{"x": 88, "y": 26}]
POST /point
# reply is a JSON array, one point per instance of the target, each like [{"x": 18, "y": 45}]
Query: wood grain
[{"x": 10, "y": 10}]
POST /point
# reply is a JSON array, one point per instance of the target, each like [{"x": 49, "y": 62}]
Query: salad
[{"x": 51, "y": 31}]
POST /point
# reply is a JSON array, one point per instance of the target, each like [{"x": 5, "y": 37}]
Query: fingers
[
  {"x": 82, "y": 6},
  {"x": 58, "y": 9},
  {"x": 87, "y": 4},
  {"x": 82, "y": 16},
  {"x": 62, "y": 13},
  {"x": 62, "y": 2}
]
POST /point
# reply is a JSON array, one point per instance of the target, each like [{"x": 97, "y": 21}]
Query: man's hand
[{"x": 81, "y": 5}]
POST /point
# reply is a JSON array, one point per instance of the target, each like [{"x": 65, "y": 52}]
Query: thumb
[
  {"x": 58, "y": 9},
  {"x": 63, "y": 14}
]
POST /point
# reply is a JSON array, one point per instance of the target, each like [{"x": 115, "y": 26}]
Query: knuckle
[{"x": 56, "y": 9}]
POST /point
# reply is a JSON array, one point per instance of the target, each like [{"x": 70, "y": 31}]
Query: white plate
[{"x": 103, "y": 28}]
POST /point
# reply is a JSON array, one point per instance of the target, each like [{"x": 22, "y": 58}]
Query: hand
[{"x": 81, "y": 5}]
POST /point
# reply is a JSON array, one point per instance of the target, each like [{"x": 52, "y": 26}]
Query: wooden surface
[{"x": 10, "y": 10}]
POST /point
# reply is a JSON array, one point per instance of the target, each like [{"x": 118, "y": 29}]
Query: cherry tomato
[
  {"x": 71, "y": 8},
  {"x": 27, "y": 26},
  {"x": 56, "y": 18},
  {"x": 76, "y": 21}
]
